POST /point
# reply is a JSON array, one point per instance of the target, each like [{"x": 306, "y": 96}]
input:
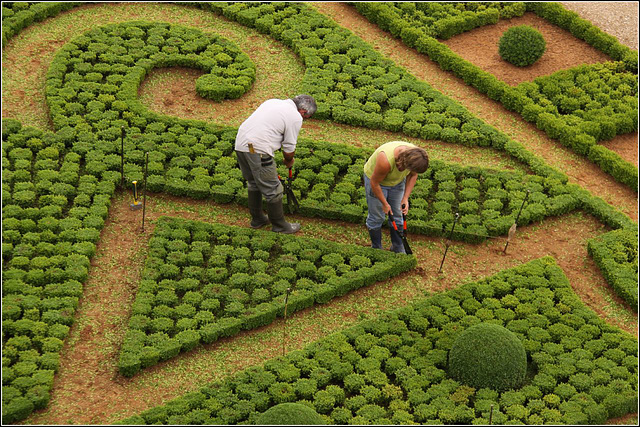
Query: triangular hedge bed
[
  {"x": 202, "y": 282},
  {"x": 394, "y": 369}
]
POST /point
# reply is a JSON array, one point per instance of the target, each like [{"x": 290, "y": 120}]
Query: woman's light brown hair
[{"x": 415, "y": 159}]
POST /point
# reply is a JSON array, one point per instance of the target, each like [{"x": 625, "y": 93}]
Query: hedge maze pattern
[
  {"x": 202, "y": 282},
  {"x": 393, "y": 370},
  {"x": 57, "y": 188}
]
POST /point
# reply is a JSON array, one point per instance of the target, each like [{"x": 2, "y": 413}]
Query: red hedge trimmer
[
  {"x": 292, "y": 201},
  {"x": 403, "y": 233}
]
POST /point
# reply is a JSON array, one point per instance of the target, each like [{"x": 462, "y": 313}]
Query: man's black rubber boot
[
  {"x": 376, "y": 237},
  {"x": 258, "y": 218},
  {"x": 396, "y": 242},
  {"x": 275, "y": 211}
]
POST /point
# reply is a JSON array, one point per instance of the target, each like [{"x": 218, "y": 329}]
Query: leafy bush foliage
[
  {"x": 394, "y": 367},
  {"x": 521, "y": 45},
  {"x": 488, "y": 356},
  {"x": 290, "y": 414},
  {"x": 184, "y": 311}
]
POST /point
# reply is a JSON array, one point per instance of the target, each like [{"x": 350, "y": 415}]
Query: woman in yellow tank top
[{"x": 389, "y": 177}]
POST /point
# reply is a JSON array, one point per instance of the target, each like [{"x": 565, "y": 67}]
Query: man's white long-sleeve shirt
[{"x": 273, "y": 125}]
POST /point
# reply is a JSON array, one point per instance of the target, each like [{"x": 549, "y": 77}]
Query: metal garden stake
[
  {"x": 144, "y": 190},
  {"x": 284, "y": 337},
  {"x": 449, "y": 240},
  {"x": 512, "y": 229}
]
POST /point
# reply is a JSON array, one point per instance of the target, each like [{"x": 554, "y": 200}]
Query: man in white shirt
[{"x": 274, "y": 125}]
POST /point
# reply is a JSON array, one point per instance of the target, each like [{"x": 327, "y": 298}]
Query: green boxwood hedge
[
  {"x": 393, "y": 369},
  {"x": 616, "y": 254},
  {"x": 575, "y": 115},
  {"x": 201, "y": 283}
]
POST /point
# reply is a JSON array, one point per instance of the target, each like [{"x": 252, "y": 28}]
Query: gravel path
[{"x": 618, "y": 18}]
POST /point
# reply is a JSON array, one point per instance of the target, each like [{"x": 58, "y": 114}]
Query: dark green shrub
[
  {"x": 521, "y": 45},
  {"x": 488, "y": 355},
  {"x": 290, "y": 414}
]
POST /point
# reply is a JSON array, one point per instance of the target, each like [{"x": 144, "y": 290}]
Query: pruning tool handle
[
  {"x": 404, "y": 220},
  {"x": 395, "y": 227},
  {"x": 290, "y": 174}
]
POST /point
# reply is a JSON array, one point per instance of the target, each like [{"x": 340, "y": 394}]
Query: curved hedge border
[
  {"x": 616, "y": 254},
  {"x": 445, "y": 20},
  {"x": 580, "y": 131},
  {"x": 202, "y": 282},
  {"x": 22, "y": 14},
  {"x": 392, "y": 370},
  {"x": 92, "y": 88}
]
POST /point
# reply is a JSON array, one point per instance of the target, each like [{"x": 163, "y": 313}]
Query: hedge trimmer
[
  {"x": 292, "y": 201},
  {"x": 403, "y": 233}
]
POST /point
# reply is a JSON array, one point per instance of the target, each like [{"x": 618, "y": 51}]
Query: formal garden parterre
[{"x": 57, "y": 188}]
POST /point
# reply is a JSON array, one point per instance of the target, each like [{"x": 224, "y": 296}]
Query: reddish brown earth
[
  {"x": 563, "y": 50},
  {"x": 89, "y": 390}
]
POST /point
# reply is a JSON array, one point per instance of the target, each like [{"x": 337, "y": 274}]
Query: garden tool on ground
[{"x": 136, "y": 198}]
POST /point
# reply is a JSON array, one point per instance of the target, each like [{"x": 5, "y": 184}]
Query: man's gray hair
[{"x": 307, "y": 103}]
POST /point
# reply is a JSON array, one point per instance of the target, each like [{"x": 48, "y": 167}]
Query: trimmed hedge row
[
  {"x": 93, "y": 80},
  {"x": 22, "y": 14},
  {"x": 52, "y": 213},
  {"x": 355, "y": 85},
  {"x": 96, "y": 139},
  {"x": 445, "y": 20},
  {"x": 92, "y": 93},
  {"x": 616, "y": 254},
  {"x": 174, "y": 144},
  {"x": 565, "y": 113},
  {"x": 202, "y": 282},
  {"x": 394, "y": 369}
]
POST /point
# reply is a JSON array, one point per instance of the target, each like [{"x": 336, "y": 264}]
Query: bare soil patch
[
  {"x": 626, "y": 146},
  {"x": 563, "y": 50}
]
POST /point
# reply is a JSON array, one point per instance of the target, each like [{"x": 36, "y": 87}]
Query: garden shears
[
  {"x": 292, "y": 201},
  {"x": 403, "y": 233}
]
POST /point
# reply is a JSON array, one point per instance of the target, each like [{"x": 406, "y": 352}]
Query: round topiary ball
[
  {"x": 521, "y": 45},
  {"x": 488, "y": 355},
  {"x": 290, "y": 414}
]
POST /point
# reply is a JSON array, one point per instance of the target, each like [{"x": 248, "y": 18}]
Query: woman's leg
[{"x": 375, "y": 215}]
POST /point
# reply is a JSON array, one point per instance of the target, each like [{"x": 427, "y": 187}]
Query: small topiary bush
[
  {"x": 290, "y": 414},
  {"x": 521, "y": 45},
  {"x": 487, "y": 355}
]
